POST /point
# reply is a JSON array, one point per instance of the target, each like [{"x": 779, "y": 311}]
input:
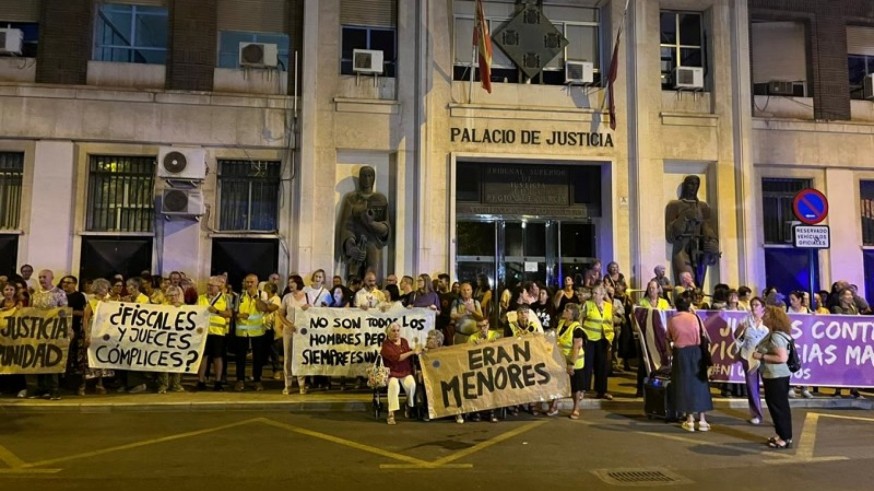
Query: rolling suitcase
[{"x": 658, "y": 399}]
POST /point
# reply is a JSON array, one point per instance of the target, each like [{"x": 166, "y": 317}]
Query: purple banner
[{"x": 835, "y": 350}]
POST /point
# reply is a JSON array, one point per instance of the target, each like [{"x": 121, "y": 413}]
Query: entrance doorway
[{"x": 510, "y": 251}]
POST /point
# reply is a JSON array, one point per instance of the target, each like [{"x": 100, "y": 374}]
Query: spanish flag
[{"x": 482, "y": 40}]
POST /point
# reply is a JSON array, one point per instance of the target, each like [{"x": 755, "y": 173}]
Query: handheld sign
[{"x": 810, "y": 206}]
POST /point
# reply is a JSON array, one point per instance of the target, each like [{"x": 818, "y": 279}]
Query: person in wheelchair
[{"x": 398, "y": 358}]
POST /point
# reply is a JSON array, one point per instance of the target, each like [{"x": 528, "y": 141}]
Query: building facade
[{"x": 526, "y": 182}]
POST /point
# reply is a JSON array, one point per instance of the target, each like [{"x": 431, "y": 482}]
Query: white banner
[
  {"x": 148, "y": 338},
  {"x": 344, "y": 342}
]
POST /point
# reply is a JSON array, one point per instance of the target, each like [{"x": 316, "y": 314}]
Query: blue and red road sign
[{"x": 810, "y": 206}]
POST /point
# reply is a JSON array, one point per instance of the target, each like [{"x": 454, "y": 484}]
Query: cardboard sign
[{"x": 35, "y": 340}]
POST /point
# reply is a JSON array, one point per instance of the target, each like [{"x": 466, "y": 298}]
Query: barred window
[
  {"x": 866, "y": 195},
  {"x": 121, "y": 194},
  {"x": 777, "y": 196},
  {"x": 11, "y": 174},
  {"x": 249, "y": 195}
]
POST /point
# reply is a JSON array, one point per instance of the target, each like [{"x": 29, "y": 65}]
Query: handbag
[
  {"x": 377, "y": 374},
  {"x": 706, "y": 356}
]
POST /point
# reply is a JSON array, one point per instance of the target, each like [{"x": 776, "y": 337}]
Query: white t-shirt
[
  {"x": 289, "y": 303},
  {"x": 318, "y": 297}
]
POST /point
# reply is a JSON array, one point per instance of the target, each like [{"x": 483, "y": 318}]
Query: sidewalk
[{"x": 622, "y": 386}]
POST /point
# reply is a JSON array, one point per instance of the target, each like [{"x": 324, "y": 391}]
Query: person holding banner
[
  {"x": 250, "y": 332},
  {"x": 525, "y": 322},
  {"x": 773, "y": 352},
  {"x": 688, "y": 376},
  {"x": 424, "y": 295},
  {"x": 219, "y": 314},
  {"x": 570, "y": 337},
  {"x": 8, "y": 307},
  {"x": 597, "y": 320},
  {"x": 100, "y": 291},
  {"x": 49, "y": 297},
  {"x": 294, "y": 299},
  {"x": 397, "y": 356},
  {"x": 466, "y": 312},
  {"x": 369, "y": 295},
  {"x": 747, "y": 336},
  {"x": 173, "y": 381},
  {"x": 317, "y": 294}
]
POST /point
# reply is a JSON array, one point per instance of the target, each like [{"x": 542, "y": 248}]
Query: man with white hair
[{"x": 47, "y": 297}]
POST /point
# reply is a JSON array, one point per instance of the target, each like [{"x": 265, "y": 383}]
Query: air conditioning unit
[
  {"x": 182, "y": 202},
  {"x": 182, "y": 163},
  {"x": 688, "y": 78},
  {"x": 579, "y": 72},
  {"x": 868, "y": 87},
  {"x": 367, "y": 61},
  {"x": 10, "y": 41},
  {"x": 776, "y": 87},
  {"x": 259, "y": 55}
]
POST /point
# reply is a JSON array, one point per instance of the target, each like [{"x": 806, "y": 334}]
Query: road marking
[
  {"x": 20, "y": 471},
  {"x": 428, "y": 466},
  {"x": 143, "y": 443},
  {"x": 10, "y": 458},
  {"x": 348, "y": 443},
  {"x": 488, "y": 443}
]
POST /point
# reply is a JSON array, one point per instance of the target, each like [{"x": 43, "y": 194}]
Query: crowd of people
[{"x": 589, "y": 316}]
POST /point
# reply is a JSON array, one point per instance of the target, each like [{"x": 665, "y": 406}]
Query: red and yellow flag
[{"x": 482, "y": 40}]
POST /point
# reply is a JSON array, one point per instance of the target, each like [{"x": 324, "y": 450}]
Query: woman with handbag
[
  {"x": 397, "y": 356},
  {"x": 688, "y": 364},
  {"x": 747, "y": 336}
]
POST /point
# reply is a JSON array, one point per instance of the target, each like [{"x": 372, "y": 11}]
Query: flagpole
[{"x": 472, "y": 69}]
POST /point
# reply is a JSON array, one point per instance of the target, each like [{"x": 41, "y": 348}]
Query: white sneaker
[
  {"x": 755, "y": 421},
  {"x": 806, "y": 394},
  {"x": 792, "y": 394},
  {"x": 703, "y": 426},
  {"x": 138, "y": 389},
  {"x": 22, "y": 394},
  {"x": 459, "y": 419}
]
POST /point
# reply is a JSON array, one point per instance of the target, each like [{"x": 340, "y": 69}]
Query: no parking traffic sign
[{"x": 810, "y": 206}]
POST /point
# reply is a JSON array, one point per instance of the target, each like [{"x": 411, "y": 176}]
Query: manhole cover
[{"x": 640, "y": 477}]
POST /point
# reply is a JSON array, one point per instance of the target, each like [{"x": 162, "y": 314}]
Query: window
[
  {"x": 681, "y": 43},
  {"x": 229, "y": 46},
  {"x": 11, "y": 174},
  {"x": 860, "y": 58},
  {"x": 777, "y": 196},
  {"x": 866, "y": 195},
  {"x": 30, "y": 36},
  {"x": 131, "y": 34},
  {"x": 121, "y": 194},
  {"x": 362, "y": 37},
  {"x": 581, "y": 27},
  {"x": 249, "y": 192}
]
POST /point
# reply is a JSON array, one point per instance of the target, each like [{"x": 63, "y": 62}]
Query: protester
[
  {"x": 484, "y": 335},
  {"x": 316, "y": 293},
  {"x": 76, "y": 364},
  {"x": 341, "y": 296},
  {"x": 566, "y": 295},
  {"x": 250, "y": 332},
  {"x": 433, "y": 341},
  {"x": 465, "y": 313},
  {"x": 396, "y": 354},
  {"x": 747, "y": 336},
  {"x": 570, "y": 336},
  {"x": 172, "y": 381},
  {"x": 688, "y": 375},
  {"x": 9, "y": 306},
  {"x": 773, "y": 354},
  {"x": 545, "y": 311},
  {"x": 525, "y": 322},
  {"x": 597, "y": 320},
  {"x": 483, "y": 293},
  {"x": 219, "y": 313},
  {"x": 294, "y": 299},
  {"x": 47, "y": 297},
  {"x": 273, "y": 336},
  {"x": 369, "y": 296}
]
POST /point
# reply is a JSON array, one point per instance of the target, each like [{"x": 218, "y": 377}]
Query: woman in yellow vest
[
  {"x": 570, "y": 337},
  {"x": 219, "y": 313},
  {"x": 597, "y": 319}
]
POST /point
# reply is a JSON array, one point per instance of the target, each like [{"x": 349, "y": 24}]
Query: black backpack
[{"x": 793, "y": 361}]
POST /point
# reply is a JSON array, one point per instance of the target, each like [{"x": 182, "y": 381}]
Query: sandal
[
  {"x": 574, "y": 415},
  {"x": 391, "y": 419},
  {"x": 777, "y": 445}
]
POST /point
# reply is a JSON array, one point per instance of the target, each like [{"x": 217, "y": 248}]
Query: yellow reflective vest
[
  {"x": 565, "y": 340},
  {"x": 598, "y": 324},
  {"x": 254, "y": 325},
  {"x": 218, "y": 325}
]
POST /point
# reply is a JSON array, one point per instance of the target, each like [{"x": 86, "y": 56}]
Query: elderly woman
[
  {"x": 525, "y": 322},
  {"x": 689, "y": 379},
  {"x": 773, "y": 353},
  {"x": 172, "y": 381},
  {"x": 597, "y": 320},
  {"x": 570, "y": 337},
  {"x": 747, "y": 336},
  {"x": 432, "y": 342},
  {"x": 99, "y": 291},
  {"x": 653, "y": 298},
  {"x": 396, "y": 354}
]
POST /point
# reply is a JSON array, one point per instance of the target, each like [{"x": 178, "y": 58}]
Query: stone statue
[
  {"x": 363, "y": 228},
  {"x": 689, "y": 227}
]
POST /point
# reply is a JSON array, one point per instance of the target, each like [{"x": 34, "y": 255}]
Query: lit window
[
  {"x": 229, "y": 47},
  {"x": 121, "y": 194},
  {"x": 131, "y": 34}
]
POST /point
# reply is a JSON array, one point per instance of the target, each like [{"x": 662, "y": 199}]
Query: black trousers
[
  {"x": 596, "y": 363},
  {"x": 259, "y": 346},
  {"x": 777, "y": 399}
]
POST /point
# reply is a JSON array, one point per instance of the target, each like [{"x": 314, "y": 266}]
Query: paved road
[{"x": 201, "y": 450}]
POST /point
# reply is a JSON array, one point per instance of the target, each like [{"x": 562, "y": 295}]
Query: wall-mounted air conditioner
[
  {"x": 10, "y": 41},
  {"x": 259, "y": 55},
  {"x": 868, "y": 87},
  {"x": 182, "y": 163},
  {"x": 579, "y": 72},
  {"x": 776, "y": 87},
  {"x": 367, "y": 61},
  {"x": 182, "y": 202},
  {"x": 688, "y": 78}
]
